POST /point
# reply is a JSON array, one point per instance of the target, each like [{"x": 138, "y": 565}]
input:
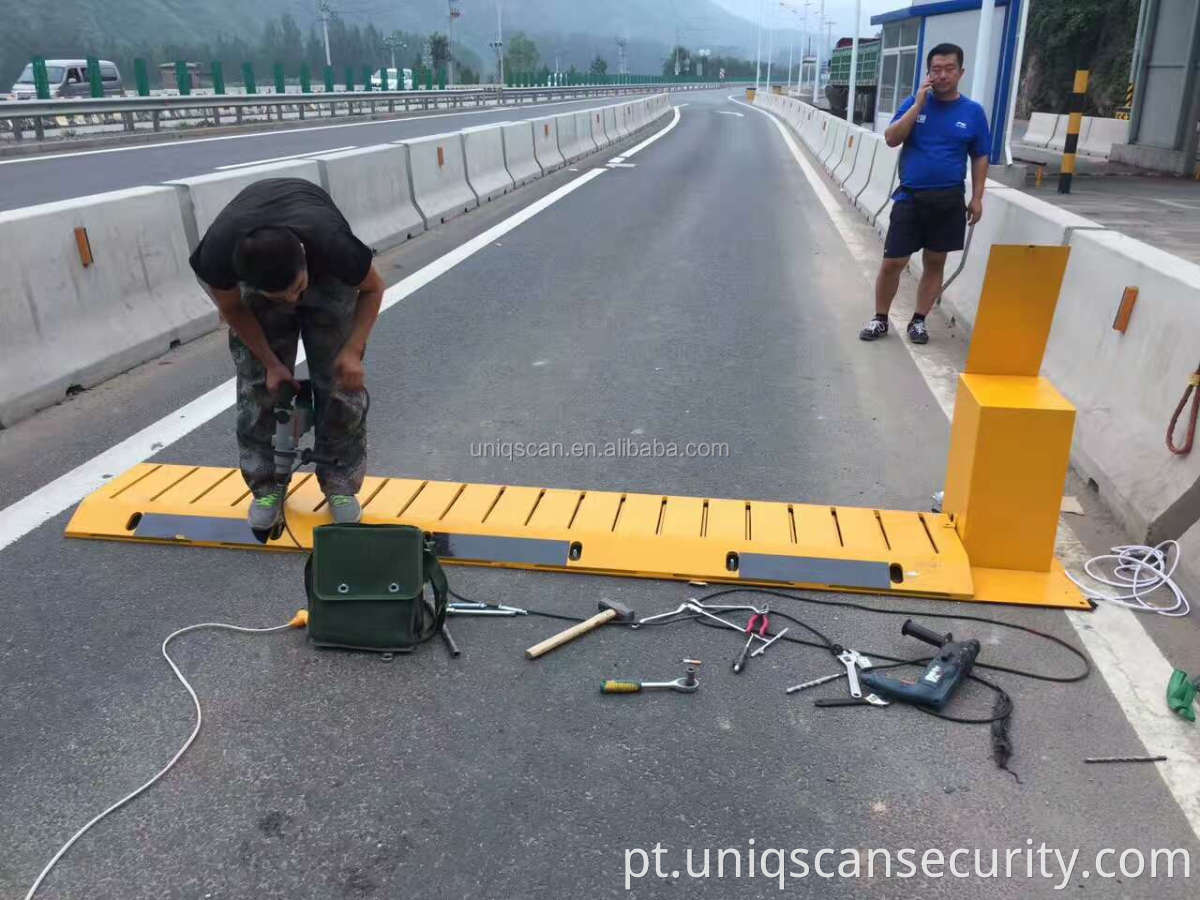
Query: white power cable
[
  {"x": 1139, "y": 570},
  {"x": 297, "y": 621}
]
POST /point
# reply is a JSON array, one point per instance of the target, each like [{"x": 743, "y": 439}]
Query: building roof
[{"x": 937, "y": 8}]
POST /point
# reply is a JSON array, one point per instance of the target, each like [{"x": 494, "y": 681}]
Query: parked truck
[{"x": 866, "y": 78}]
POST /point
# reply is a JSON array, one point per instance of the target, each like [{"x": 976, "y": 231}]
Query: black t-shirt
[{"x": 330, "y": 247}]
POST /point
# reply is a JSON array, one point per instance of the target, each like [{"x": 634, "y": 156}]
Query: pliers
[{"x": 755, "y": 619}]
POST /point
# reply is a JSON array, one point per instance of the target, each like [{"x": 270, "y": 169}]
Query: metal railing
[{"x": 20, "y": 116}]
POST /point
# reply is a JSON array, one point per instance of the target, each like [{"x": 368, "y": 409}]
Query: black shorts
[{"x": 926, "y": 220}]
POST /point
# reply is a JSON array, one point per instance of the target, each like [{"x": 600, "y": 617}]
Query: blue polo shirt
[{"x": 945, "y": 134}]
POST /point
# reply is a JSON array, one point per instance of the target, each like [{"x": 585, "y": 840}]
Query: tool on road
[
  {"x": 869, "y": 700},
  {"x": 484, "y": 609},
  {"x": 449, "y": 639},
  {"x": 1181, "y": 694},
  {"x": 688, "y": 683},
  {"x": 759, "y": 651},
  {"x": 824, "y": 679},
  {"x": 1124, "y": 759},
  {"x": 762, "y": 623},
  {"x": 853, "y": 661},
  {"x": 610, "y": 610},
  {"x": 295, "y": 414},
  {"x": 942, "y": 676}
]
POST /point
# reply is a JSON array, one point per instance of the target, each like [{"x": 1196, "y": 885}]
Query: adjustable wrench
[{"x": 852, "y": 660}]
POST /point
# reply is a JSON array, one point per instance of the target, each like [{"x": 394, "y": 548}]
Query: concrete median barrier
[
  {"x": 1042, "y": 128},
  {"x": 1102, "y": 134},
  {"x": 856, "y": 182},
  {"x": 599, "y": 134},
  {"x": 204, "y": 196},
  {"x": 853, "y": 144},
  {"x": 836, "y": 145},
  {"x": 568, "y": 137},
  {"x": 610, "y": 123},
  {"x": 1126, "y": 384},
  {"x": 371, "y": 187},
  {"x": 439, "y": 177},
  {"x": 880, "y": 182},
  {"x": 619, "y": 126},
  {"x": 483, "y": 149},
  {"x": 583, "y": 131},
  {"x": 89, "y": 288},
  {"x": 519, "y": 157},
  {"x": 546, "y": 149}
]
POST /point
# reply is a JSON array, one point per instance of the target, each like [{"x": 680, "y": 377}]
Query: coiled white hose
[{"x": 1138, "y": 570}]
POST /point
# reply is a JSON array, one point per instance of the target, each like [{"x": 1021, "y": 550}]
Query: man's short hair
[
  {"x": 945, "y": 50},
  {"x": 268, "y": 258}
]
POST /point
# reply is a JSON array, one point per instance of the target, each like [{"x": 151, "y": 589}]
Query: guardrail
[{"x": 21, "y": 116}]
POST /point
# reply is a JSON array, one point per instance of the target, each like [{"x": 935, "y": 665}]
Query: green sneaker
[
  {"x": 266, "y": 511},
  {"x": 345, "y": 509}
]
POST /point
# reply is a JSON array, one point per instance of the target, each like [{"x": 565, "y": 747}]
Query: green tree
[
  {"x": 1096, "y": 35},
  {"x": 684, "y": 58},
  {"x": 522, "y": 55},
  {"x": 439, "y": 49},
  {"x": 599, "y": 66}
]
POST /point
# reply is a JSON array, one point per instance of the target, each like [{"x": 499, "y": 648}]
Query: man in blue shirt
[{"x": 940, "y": 129}]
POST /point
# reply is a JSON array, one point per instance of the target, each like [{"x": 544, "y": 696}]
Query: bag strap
[{"x": 441, "y": 590}]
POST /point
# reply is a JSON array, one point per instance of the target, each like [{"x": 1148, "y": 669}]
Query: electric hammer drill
[
  {"x": 942, "y": 676},
  {"x": 294, "y": 415}
]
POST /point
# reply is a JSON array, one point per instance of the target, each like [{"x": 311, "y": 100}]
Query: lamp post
[{"x": 817, "y": 60}]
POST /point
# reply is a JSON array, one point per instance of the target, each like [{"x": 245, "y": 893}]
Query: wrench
[{"x": 853, "y": 660}]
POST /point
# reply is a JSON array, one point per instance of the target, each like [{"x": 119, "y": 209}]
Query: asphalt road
[
  {"x": 699, "y": 295},
  {"x": 27, "y": 180}
]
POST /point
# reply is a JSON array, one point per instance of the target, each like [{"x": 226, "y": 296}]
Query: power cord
[
  {"x": 1140, "y": 570},
  {"x": 298, "y": 621}
]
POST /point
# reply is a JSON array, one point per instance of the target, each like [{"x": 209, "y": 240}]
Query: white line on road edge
[
  {"x": 654, "y": 137},
  {"x": 20, "y": 518},
  {"x": 259, "y": 162},
  {"x": 622, "y": 165},
  {"x": 1129, "y": 660},
  {"x": 277, "y": 131},
  {"x": 730, "y": 112}
]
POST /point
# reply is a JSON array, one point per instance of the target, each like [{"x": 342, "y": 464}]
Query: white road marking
[
  {"x": 259, "y": 162},
  {"x": 1176, "y": 203},
  {"x": 19, "y": 518},
  {"x": 617, "y": 159},
  {"x": 654, "y": 137},
  {"x": 1128, "y": 659},
  {"x": 730, "y": 112},
  {"x": 270, "y": 132},
  {"x": 622, "y": 165}
]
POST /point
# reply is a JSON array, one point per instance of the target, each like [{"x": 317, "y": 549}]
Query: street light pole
[
  {"x": 817, "y": 60},
  {"x": 324, "y": 10},
  {"x": 758, "y": 52},
  {"x": 770, "y": 48},
  {"x": 450, "y": 44},
  {"x": 853, "y": 62},
  {"x": 500, "y": 42}
]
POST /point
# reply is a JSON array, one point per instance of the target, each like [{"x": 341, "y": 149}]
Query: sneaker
[
  {"x": 917, "y": 332},
  {"x": 345, "y": 509},
  {"x": 266, "y": 511},
  {"x": 874, "y": 330}
]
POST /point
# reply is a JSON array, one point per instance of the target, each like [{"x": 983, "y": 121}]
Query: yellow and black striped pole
[{"x": 1074, "y": 121}]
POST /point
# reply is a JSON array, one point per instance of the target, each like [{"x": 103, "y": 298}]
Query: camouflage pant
[{"x": 324, "y": 318}]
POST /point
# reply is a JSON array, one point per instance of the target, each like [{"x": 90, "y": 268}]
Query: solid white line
[
  {"x": 269, "y": 132},
  {"x": 1129, "y": 660},
  {"x": 20, "y": 518},
  {"x": 654, "y": 137},
  {"x": 622, "y": 165},
  {"x": 730, "y": 112},
  {"x": 259, "y": 162}
]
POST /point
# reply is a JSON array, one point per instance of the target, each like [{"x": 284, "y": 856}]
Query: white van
[
  {"x": 68, "y": 78},
  {"x": 394, "y": 82}
]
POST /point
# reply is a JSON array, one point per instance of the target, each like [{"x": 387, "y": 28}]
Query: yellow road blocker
[{"x": 1008, "y": 459}]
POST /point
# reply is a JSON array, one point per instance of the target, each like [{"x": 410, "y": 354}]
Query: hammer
[{"x": 610, "y": 611}]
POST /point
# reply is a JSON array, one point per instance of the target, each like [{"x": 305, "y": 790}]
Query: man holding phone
[{"x": 940, "y": 130}]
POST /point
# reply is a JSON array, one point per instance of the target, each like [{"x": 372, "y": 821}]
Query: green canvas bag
[{"x": 366, "y": 588}]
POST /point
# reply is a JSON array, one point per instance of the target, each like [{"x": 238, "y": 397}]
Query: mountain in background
[{"x": 574, "y": 31}]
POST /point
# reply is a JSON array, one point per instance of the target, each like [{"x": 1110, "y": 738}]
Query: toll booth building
[{"x": 908, "y": 34}]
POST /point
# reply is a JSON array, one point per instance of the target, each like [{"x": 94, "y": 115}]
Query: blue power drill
[{"x": 942, "y": 676}]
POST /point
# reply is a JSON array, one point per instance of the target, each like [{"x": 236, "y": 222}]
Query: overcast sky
[{"x": 841, "y": 11}]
